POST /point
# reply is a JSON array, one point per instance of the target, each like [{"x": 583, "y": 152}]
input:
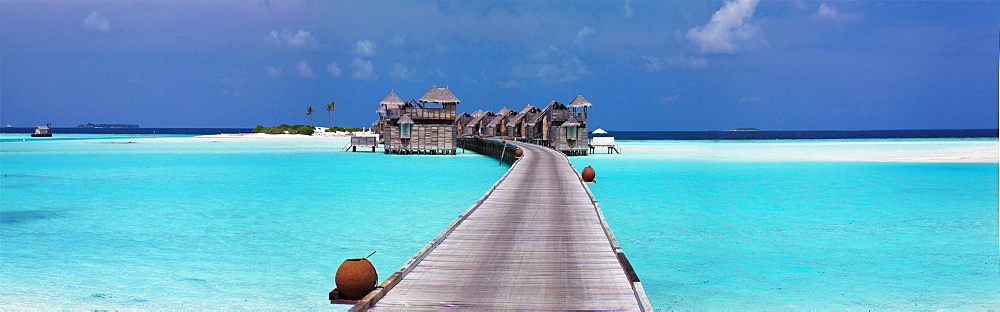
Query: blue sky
[{"x": 646, "y": 65}]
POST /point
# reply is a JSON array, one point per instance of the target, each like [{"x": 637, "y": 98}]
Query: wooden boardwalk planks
[{"x": 536, "y": 241}]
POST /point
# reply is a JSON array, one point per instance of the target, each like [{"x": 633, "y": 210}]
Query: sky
[{"x": 645, "y": 65}]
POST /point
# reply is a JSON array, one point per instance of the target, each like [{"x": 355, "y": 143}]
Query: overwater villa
[
  {"x": 412, "y": 127},
  {"x": 498, "y": 125},
  {"x": 42, "y": 131},
  {"x": 555, "y": 125},
  {"x": 478, "y": 122}
]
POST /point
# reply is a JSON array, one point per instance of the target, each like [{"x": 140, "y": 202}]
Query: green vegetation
[
  {"x": 296, "y": 129},
  {"x": 335, "y": 129}
]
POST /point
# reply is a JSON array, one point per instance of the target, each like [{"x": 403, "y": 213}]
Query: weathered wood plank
[{"x": 536, "y": 241}]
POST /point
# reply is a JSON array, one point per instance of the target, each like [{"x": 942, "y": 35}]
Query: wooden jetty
[
  {"x": 537, "y": 240},
  {"x": 362, "y": 141}
]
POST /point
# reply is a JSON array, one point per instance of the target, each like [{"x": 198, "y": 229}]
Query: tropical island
[
  {"x": 107, "y": 125},
  {"x": 300, "y": 129}
]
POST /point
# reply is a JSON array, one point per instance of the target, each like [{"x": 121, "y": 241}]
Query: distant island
[
  {"x": 745, "y": 129},
  {"x": 90, "y": 125}
]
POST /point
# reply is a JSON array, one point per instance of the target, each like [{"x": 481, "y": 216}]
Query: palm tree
[
  {"x": 329, "y": 108},
  {"x": 309, "y": 112}
]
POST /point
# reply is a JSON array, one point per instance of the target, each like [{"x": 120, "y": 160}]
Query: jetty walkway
[{"x": 536, "y": 241}]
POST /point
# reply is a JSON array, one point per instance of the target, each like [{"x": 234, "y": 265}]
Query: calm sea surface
[
  {"x": 175, "y": 223},
  {"x": 769, "y": 225}
]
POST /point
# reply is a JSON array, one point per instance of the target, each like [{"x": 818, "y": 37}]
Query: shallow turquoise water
[
  {"x": 791, "y": 235},
  {"x": 263, "y": 224},
  {"x": 228, "y": 224}
]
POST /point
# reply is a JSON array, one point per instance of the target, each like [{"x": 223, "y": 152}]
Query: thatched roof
[
  {"x": 554, "y": 105},
  {"x": 458, "y": 119},
  {"x": 392, "y": 101},
  {"x": 478, "y": 113},
  {"x": 579, "y": 101},
  {"x": 439, "y": 95},
  {"x": 505, "y": 111},
  {"x": 538, "y": 117},
  {"x": 571, "y": 122},
  {"x": 479, "y": 118},
  {"x": 405, "y": 120},
  {"x": 380, "y": 110},
  {"x": 524, "y": 113},
  {"x": 496, "y": 120}
]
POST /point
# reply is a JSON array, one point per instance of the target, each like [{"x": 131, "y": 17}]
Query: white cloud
[
  {"x": 441, "y": 48},
  {"x": 399, "y": 72},
  {"x": 291, "y": 38},
  {"x": 334, "y": 69},
  {"x": 552, "y": 65},
  {"x": 828, "y": 12},
  {"x": 583, "y": 34},
  {"x": 273, "y": 72},
  {"x": 299, "y": 38},
  {"x": 511, "y": 84},
  {"x": 555, "y": 66},
  {"x": 656, "y": 64},
  {"x": 544, "y": 54},
  {"x": 364, "y": 48},
  {"x": 398, "y": 40},
  {"x": 96, "y": 22},
  {"x": 305, "y": 71},
  {"x": 627, "y": 9},
  {"x": 729, "y": 30},
  {"x": 363, "y": 69}
]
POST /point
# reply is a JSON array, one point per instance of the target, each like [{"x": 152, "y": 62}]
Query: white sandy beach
[
  {"x": 951, "y": 151},
  {"x": 320, "y": 133}
]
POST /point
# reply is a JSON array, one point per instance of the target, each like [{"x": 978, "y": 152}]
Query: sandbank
[{"x": 936, "y": 151}]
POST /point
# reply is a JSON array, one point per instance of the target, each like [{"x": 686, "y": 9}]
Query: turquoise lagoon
[
  {"x": 797, "y": 225},
  {"x": 191, "y": 223},
  {"x": 216, "y": 223}
]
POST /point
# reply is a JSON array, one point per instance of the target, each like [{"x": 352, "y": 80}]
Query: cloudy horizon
[{"x": 646, "y": 65}]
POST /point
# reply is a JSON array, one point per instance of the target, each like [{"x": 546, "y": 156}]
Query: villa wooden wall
[
  {"x": 580, "y": 146},
  {"x": 423, "y": 139}
]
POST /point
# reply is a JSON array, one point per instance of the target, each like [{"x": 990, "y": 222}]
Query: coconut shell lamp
[
  {"x": 588, "y": 174},
  {"x": 356, "y": 278},
  {"x": 518, "y": 153}
]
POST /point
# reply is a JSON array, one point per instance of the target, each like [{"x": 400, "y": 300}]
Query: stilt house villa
[{"x": 412, "y": 128}]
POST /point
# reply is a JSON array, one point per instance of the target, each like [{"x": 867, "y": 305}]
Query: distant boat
[
  {"x": 745, "y": 129},
  {"x": 9, "y": 126}
]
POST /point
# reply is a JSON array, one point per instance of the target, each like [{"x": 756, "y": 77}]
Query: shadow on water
[{"x": 23, "y": 216}]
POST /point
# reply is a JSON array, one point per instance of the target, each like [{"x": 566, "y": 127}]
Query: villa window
[
  {"x": 404, "y": 130},
  {"x": 571, "y": 132}
]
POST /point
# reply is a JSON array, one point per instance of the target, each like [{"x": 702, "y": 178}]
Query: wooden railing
[{"x": 496, "y": 149}]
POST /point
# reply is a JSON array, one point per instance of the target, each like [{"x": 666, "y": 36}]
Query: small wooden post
[{"x": 502, "y": 152}]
